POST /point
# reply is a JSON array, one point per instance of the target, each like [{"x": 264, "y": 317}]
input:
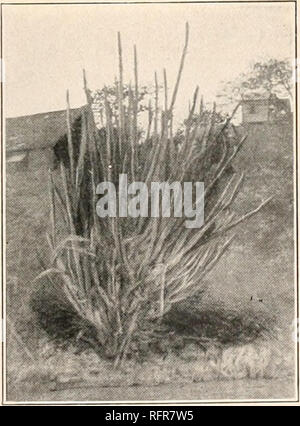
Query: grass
[{"x": 66, "y": 370}]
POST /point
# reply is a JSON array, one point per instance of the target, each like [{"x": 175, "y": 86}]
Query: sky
[{"x": 46, "y": 47}]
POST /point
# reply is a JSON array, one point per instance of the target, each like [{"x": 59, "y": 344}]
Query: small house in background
[
  {"x": 265, "y": 109},
  {"x": 39, "y": 140},
  {"x": 17, "y": 160},
  {"x": 255, "y": 110}
]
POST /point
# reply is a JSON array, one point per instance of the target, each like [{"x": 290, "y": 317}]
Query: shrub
[{"x": 123, "y": 275}]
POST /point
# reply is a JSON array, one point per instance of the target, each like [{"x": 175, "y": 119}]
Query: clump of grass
[
  {"x": 123, "y": 275},
  {"x": 57, "y": 316},
  {"x": 225, "y": 325}
]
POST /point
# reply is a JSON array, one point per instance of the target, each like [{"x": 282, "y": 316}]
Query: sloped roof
[
  {"x": 256, "y": 101},
  {"x": 259, "y": 93},
  {"x": 38, "y": 131}
]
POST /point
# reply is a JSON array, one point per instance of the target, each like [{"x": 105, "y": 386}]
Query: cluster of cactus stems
[{"x": 122, "y": 275}]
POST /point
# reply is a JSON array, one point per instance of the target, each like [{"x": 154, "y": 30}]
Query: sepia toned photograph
[{"x": 149, "y": 192}]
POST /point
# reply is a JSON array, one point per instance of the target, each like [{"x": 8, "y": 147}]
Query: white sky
[{"x": 46, "y": 47}]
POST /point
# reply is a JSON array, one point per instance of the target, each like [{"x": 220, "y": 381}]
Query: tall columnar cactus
[{"x": 122, "y": 275}]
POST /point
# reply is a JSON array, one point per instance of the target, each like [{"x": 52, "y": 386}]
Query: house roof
[
  {"x": 38, "y": 131},
  {"x": 256, "y": 101},
  {"x": 259, "y": 93}
]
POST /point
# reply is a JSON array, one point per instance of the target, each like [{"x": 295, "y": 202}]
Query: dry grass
[{"x": 65, "y": 369}]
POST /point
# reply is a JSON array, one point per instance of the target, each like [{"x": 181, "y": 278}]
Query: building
[
  {"x": 39, "y": 140},
  {"x": 265, "y": 109}
]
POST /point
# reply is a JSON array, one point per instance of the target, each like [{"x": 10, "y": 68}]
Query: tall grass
[{"x": 122, "y": 275}]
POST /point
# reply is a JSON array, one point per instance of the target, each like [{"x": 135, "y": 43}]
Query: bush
[{"x": 123, "y": 275}]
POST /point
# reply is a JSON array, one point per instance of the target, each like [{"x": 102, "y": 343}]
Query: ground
[
  {"x": 281, "y": 389},
  {"x": 257, "y": 274}
]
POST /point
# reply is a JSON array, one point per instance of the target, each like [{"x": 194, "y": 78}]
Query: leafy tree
[
  {"x": 111, "y": 93},
  {"x": 272, "y": 76}
]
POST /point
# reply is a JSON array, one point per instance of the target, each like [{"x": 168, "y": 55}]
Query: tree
[
  {"x": 274, "y": 77},
  {"x": 111, "y": 94}
]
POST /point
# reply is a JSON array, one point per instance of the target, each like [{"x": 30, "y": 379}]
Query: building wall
[
  {"x": 17, "y": 161},
  {"x": 255, "y": 112},
  {"x": 28, "y": 161}
]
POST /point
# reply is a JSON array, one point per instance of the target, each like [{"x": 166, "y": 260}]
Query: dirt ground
[{"x": 279, "y": 389}]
